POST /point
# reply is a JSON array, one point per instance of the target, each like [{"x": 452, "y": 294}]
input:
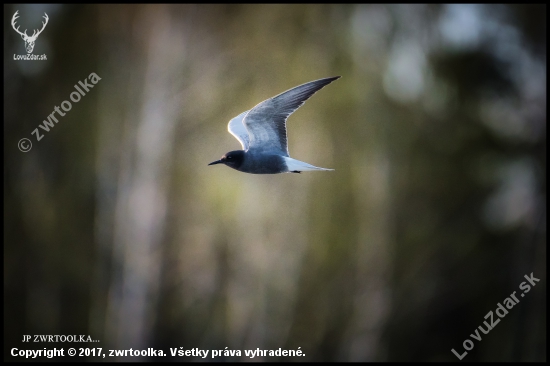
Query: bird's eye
[{"x": 229, "y": 157}]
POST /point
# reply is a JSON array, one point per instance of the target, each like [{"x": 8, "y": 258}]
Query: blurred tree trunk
[{"x": 134, "y": 162}]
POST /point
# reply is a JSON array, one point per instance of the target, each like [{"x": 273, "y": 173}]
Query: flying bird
[{"x": 262, "y": 133}]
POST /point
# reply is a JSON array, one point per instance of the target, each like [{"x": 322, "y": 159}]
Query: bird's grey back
[{"x": 260, "y": 163}]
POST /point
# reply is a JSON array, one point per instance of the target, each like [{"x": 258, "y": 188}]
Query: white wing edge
[{"x": 236, "y": 128}]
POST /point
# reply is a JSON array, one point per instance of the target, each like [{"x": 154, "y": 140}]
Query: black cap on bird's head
[{"x": 232, "y": 159}]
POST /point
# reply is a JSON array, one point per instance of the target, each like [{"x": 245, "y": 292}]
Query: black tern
[{"x": 262, "y": 133}]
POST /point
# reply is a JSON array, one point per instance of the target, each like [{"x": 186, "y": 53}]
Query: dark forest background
[{"x": 115, "y": 227}]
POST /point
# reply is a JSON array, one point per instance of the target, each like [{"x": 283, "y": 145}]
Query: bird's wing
[
  {"x": 266, "y": 122},
  {"x": 237, "y": 129}
]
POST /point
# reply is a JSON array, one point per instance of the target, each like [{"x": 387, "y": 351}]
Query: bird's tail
[{"x": 294, "y": 165}]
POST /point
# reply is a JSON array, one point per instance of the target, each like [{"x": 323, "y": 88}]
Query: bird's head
[{"x": 232, "y": 159}]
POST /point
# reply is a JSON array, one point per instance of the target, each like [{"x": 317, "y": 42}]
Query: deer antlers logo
[{"x": 29, "y": 41}]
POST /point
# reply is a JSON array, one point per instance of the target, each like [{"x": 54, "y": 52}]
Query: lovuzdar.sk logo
[{"x": 29, "y": 40}]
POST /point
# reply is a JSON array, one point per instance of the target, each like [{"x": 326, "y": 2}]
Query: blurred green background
[{"x": 115, "y": 227}]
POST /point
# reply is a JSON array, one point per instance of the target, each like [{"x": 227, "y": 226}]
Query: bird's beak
[{"x": 216, "y": 162}]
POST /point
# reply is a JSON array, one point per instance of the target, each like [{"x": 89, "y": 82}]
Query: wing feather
[
  {"x": 237, "y": 129},
  {"x": 266, "y": 122}
]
